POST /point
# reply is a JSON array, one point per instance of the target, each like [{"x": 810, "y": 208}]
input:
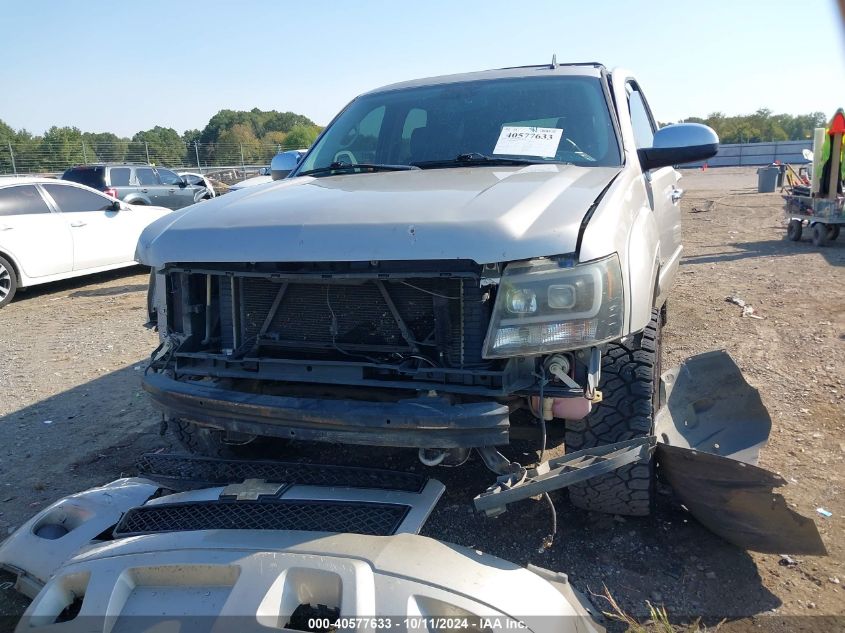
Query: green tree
[
  {"x": 301, "y": 136},
  {"x": 164, "y": 144},
  {"x": 105, "y": 146},
  {"x": 61, "y": 147},
  {"x": 190, "y": 136},
  {"x": 7, "y": 133},
  {"x": 7, "y": 136},
  {"x": 238, "y": 143},
  {"x": 286, "y": 121}
]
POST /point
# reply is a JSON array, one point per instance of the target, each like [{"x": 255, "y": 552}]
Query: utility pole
[
  {"x": 243, "y": 165},
  {"x": 197, "y": 152},
  {"x": 84, "y": 153},
  {"x": 147, "y": 150},
  {"x": 12, "y": 154}
]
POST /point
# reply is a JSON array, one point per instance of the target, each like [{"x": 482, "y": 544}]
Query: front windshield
[{"x": 560, "y": 119}]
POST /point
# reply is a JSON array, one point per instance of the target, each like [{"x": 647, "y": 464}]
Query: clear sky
[{"x": 125, "y": 66}]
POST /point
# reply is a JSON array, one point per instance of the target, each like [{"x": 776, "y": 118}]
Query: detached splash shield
[{"x": 708, "y": 436}]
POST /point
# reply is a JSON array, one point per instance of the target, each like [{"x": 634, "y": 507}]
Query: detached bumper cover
[{"x": 417, "y": 423}]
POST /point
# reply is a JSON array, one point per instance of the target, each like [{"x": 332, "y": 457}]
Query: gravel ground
[{"x": 72, "y": 415}]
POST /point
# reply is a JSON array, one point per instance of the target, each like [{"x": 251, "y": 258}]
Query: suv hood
[{"x": 486, "y": 214}]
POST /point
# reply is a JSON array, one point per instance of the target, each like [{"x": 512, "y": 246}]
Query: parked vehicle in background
[
  {"x": 138, "y": 183},
  {"x": 265, "y": 175},
  {"x": 52, "y": 229},
  {"x": 199, "y": 180},
  {"x": 453, "y": 257},
  {"x": 251, "y": 182}
]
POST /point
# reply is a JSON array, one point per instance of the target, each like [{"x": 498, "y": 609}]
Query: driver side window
[
  {"x": 168, "y": 177},
  {"x": 363, "y": 141},
  {"x": 640, "y": 118}
]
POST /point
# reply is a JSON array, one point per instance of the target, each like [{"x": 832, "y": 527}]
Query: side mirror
[
  {"x": 183, "y": 183},
  {"x": 264, "y": 171},
  {"x": 284, "y": 163},
  {"x": 117, "y": 206},
  {"x": 679, "y": 143}
]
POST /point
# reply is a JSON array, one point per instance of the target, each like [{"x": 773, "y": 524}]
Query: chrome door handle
[
  {"x": 144, "y": 190},
  {"x": 78, "y": 224},
  {"x": 171, "y": 190},
  {"x": 676, "y": 195}
]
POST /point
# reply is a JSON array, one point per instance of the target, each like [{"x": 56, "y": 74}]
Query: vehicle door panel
[
  {"x": 150, "y": 186},
  {"x": 31, "y": 233},
  {"x": 661, "y": 184},
  {"x": 177, "y": 194},
  {"x": 101, "y": 235}
]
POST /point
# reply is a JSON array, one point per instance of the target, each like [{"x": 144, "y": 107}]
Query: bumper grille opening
[{"x": 374, "y": 519}]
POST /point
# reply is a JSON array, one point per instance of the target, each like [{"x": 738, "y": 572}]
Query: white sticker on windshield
[{"x": 528, "y": 141}]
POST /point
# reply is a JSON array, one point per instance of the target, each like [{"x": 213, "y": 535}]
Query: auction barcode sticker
[{"x": 528, "y": 141}]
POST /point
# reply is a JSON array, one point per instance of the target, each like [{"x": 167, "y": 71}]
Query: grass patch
[{"x": 657, "y": 622}]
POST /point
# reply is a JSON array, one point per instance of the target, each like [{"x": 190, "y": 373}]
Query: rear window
[
  {"x": 119, "y": 176},
  {"x": 92, "y": 176},
  {"x": 74, "y": 200},
  {"x": 146, "y": 176},
  {"x": 23, "y": 200}
]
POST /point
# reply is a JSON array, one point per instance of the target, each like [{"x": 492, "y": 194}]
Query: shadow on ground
[
  {"x": 100, "y": 428},
  {"x": 110, "y": 292},
  {"x": 34, "y": 292},
  {"x": 834, "y": 252}
]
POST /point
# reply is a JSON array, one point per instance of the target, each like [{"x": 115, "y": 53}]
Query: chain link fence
[{"x": 41, "y": 157}]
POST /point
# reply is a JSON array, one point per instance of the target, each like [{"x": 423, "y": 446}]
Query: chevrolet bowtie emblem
[{"x": 251, "y": 490}]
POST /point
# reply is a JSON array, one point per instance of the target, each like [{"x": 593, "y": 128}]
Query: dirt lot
[{"x": 72, "y": 415}]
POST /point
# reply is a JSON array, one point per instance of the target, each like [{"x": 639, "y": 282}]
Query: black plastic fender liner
[
  {"x": 737, "y": 501},
  {"x": 709, "y": 435},
  {"x": 710, "y": 407}
]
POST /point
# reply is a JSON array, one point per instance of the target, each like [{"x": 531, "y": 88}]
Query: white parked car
[
  {"x": 193, "y": 178},
  {"x": 251, "y": 182},
  {"x": 265, "y": 174},
  {"x": 55, "y": 229}
]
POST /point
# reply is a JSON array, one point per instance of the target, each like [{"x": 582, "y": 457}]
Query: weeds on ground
[{"x": 657, "y": 622}]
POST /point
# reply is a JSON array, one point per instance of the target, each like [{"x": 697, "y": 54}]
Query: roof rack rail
[
  {"x": 113, "y": 162},
  {"x": 593, "y": 64}
]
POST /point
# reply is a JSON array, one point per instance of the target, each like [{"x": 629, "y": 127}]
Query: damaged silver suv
[{"x": 453, "y": 257}]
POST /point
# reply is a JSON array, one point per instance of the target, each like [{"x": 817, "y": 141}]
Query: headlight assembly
[{"x": 544, "y": 307}]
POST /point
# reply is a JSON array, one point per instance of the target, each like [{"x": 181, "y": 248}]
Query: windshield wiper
[
  {"x": 471, "y": 159},
  {"x": 345, "y": 166}
]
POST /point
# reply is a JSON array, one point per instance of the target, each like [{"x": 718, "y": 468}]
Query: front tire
[
  {"x": 630, "y": 385},
  {"x": 8, "y": 282}
]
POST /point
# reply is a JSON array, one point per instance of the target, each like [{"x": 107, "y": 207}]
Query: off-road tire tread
[{"x": 629, "y": 384}]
